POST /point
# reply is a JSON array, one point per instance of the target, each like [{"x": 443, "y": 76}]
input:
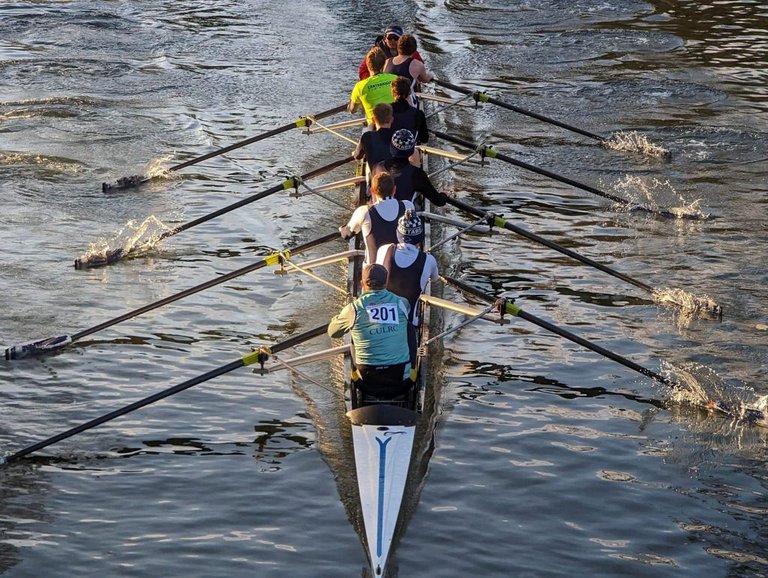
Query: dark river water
[{"x": 539, "y": 457}]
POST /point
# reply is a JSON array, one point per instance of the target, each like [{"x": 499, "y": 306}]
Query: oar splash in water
[
  {"x": 633, "y": 141},
  {"x": 689, "y": 305},
  {"x": 707, "y": 392},
  {"x": 156, "y": 168},
  {"x": 645, "y": 195},
  {"x": 132, "y": 238}
]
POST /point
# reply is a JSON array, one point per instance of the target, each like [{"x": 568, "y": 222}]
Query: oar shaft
[
  {"x": 498, "y": 221},
  {"x": 301, "y": 122},
  {"x": 243, "y": 361},
  {"x": 276, "y": 189},
  {"x": 507, "y": 159},
  {"x": 127, "y": 409},
  {"x": 515, "y": 310},
  {"x": 482, "y": 97},
  {"x": 207, "y": 285}
]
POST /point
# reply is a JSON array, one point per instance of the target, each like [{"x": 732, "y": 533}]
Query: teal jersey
[{"x": 378, "y": 322}]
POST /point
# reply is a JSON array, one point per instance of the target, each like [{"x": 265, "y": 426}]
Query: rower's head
[
  {"x": 375, "y": 60},
  {"x": 382, "y": 114},
  {"x": 406, "y": 45},
  {"x": 391, "y": 35},
  {"x": 374, "y": 277},
  {"x": 410, "y": 228},
  {"x": 403, "y": 144},
  {"x": 382, "y": 185},
  {"x": 401, "y": 88}
]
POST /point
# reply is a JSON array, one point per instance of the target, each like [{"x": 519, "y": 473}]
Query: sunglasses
[{"x": 392, "y": 37}]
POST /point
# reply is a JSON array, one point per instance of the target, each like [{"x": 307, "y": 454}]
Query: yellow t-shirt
[{"x": 372, "y": 91}]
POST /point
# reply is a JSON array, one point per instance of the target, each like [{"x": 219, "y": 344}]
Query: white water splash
[
  {"x": 132, "y": 238},
  {"x": 633, "y": 141},
  {"x": 651, "y": 194},
  {"x": 158, "y": 168},
  {"x": 705, "y": 390},
  {"x": 691, "y": 306}
]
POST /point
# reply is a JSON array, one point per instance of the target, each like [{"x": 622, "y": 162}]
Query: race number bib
[{"x": 383, "y": 313}]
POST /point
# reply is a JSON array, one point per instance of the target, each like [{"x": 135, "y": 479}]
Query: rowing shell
[{"x": 382, "y": 436}]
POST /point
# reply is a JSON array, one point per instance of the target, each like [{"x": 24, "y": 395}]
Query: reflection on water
[{"x": 730, "y": 37}]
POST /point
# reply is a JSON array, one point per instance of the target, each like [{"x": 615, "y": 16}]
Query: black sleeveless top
[
  {"x": 405, "y": 281},
  {"x": 382, "y": 232}
]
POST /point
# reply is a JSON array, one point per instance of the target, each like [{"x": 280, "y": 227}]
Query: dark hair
[
  {"x": 375, "y": 60},
  {"x": 406, "y": 44},
  {"x": 382, "y": 112},
  {"x": 401, "y": 87}
]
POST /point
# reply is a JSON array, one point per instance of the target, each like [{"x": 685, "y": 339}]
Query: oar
[
  {"x": 305, "y": 121},
  {"x": 49, "y": 344},
  {"x": 513, "y": 309},
  {"x": 736, "y": 411},
  {"x": 699, "y": 303},
  {"x": 489, "y": 152},
  {"x": 483, "y": 97},
  {"x": 497, "y": 221},
  {"x": 259, "y": 355},
  {"x": 113, "y": 255}
]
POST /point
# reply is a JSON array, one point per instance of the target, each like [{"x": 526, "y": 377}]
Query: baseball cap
[{"x": 393, "y": 30}]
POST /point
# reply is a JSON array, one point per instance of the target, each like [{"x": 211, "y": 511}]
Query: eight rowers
[
  {"x": 409, "y": 179},
  {"x": 378, "y": 222},
  {"x": 374, "y": 89},
  {"x": 378, "y": 322},
  {"x": 374, "y": 144}
]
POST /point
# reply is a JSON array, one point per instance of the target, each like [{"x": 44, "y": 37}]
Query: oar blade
[
  {"x": 38, "y": 347},
  {"x": 99, "y": 259},
  {"x": 124, "y": 183}
]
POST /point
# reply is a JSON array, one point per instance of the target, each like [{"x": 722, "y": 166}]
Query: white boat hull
[{"x": 382, "y": 436}]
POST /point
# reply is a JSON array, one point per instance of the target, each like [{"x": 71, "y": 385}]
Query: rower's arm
[{"x": 343, "y": 322}]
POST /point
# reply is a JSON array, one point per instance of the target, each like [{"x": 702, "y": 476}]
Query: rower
[
  {"x": 410, "y": 180},
  {"x": 407, "y": 66},
  {"x": 374, "y": 89},
  {"x": 377, "y": 222},
  {"x": 374, "y": 144},
  {"x": 404, "y": 114},
  {"x": 388, "y": 44},
  {"x": 410, "y": 269},
  {"x": 378, "y": 323}
]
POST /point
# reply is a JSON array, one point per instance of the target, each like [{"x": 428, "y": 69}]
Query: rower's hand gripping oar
[
  {"x": 259, "y": 355},
  {"x": 509, "y": 307},
  {"x": 305, "y": 121},
  {"x": 114, "y": 255},
  {"x": 489, "y": 152},
  {"x": 50, "y": 344},
  {"x": 704, "y": 304},
  {"x": 483, "y": 97}
]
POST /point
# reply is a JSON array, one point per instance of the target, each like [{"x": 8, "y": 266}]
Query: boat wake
[
  {"x": 633, "y": 141},
  {"x": 643, "y": 196},
  {"x": 706, "y": 390},
  {"x": 131, "y": 239}
]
